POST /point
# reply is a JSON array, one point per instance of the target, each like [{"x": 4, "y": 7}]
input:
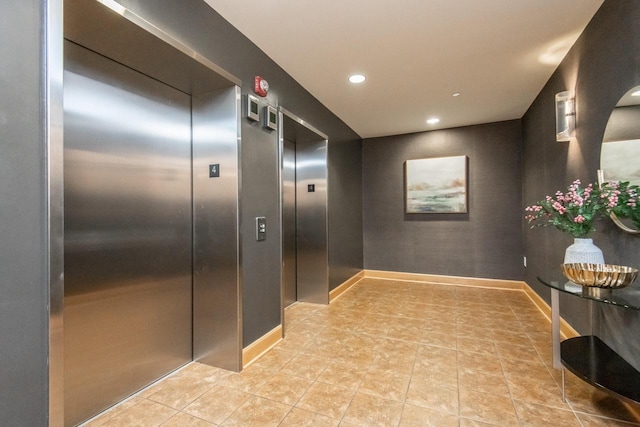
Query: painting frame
[{"x": 436, "y": 185}]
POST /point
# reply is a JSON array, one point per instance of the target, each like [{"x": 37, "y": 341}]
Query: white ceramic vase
[{"x": 583, "y": 250}]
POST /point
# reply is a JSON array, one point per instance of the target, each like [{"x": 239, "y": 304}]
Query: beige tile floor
[{"x": 387, "y": 353}]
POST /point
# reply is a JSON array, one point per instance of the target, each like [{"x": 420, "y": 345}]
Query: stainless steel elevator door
[
  {"x": 128, "y": 232},
  {"x": 289, "y": 251},
  {"x": 304, "y": 207}
]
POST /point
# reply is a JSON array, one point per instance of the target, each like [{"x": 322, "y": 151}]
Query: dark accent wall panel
[
  {"x": 485, "y": 242},
  {"x": 23, "y": 217},
  {"x": 204, "y": 30},
  {"x": 261, "y": 262},
  {"x": 602, "y": 65},
  {"x": 344, "y": 161}
]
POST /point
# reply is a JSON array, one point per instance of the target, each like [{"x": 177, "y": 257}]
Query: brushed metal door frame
[
  {"x": 311, "y": 167},
  {"x": 289, "y": 264},
  {"x": 53, "y": 91},
  {"x": 217, "y": 279}
]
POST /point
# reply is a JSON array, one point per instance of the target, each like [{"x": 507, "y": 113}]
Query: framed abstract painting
[{"x": 436, "y": 185}]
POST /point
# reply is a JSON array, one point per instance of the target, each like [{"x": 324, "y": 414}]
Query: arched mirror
[{"x": 620, "y": 153}]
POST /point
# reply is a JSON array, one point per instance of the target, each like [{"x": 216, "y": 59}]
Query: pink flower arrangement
[
  {"x": 573, "y": 212},
  {"x": 623, "y": 200}
]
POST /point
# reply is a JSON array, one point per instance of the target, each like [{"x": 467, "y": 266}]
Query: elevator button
[{"x": 261, "y": 228}]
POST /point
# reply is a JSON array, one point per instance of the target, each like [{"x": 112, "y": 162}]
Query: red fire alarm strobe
[{"x": 261, "y": 87}]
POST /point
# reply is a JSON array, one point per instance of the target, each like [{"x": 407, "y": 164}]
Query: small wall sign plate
[
  {"x": 253, "y": 110},
  {"x": 270, "y": 118}
]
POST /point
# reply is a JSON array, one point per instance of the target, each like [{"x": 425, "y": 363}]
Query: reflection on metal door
[
  {"x": 289, "y": 222},
  {"x": 128, "y": 270}
]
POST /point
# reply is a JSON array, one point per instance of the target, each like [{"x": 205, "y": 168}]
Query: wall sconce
[{"x": 565, "y": 116}]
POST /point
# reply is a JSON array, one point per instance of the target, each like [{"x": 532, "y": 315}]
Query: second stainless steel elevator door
[
  {"x": 305, "y": 269},
  {"x": 128, "y": 232}
]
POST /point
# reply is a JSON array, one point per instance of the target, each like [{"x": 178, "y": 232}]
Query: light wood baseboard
[
  {"x": 253, "y": 351},
  {"x": 447, "y": 280},
  {"x": 345, "y": 286}
]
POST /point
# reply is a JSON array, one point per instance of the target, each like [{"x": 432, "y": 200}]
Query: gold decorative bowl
[{"x": 606, "y": 276}]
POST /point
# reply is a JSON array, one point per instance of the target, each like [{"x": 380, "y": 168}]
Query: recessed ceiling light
[
  {"x": 636, "y": 93},
  {"x": 456, "y": 94},
  {"x": 433, "y": 120},
  {"x": 357, "y": 78}
]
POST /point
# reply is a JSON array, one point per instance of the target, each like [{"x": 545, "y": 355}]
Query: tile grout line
[{"x": 504, "y": 375}]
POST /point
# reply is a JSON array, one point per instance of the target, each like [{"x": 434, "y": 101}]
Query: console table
[{"x": 588, "y": 357}]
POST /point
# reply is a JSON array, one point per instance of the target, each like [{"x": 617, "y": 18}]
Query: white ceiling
[{"x": 415, "y": 53}]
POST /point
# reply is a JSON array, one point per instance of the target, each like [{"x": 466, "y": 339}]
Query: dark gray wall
[
  {"x": 602, "y": 66},
  {"x": 485, "y": 242},
  {"x": 260, "y": 260},
  {"x": 24, "y": 287},
  {"x": 197, "y": 25},
  {"x": 345, "y": 210}
]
